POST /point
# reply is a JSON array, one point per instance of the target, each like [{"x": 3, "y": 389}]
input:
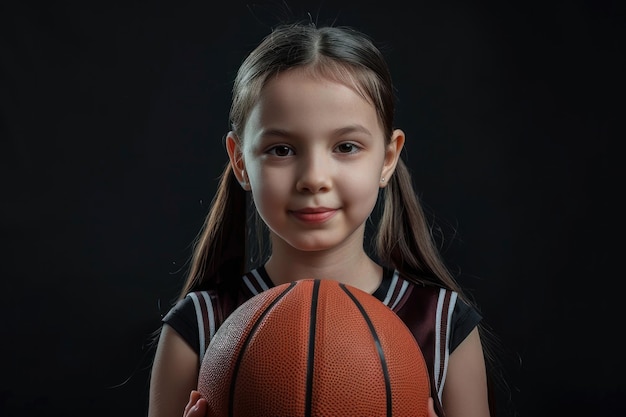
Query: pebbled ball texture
[{"x": 314, "y": 348}]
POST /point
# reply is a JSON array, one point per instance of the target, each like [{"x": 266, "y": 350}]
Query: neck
[{"x": 345, "y": 265}]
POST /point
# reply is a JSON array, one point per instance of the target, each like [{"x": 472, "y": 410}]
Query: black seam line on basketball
[
  {"x": 379, "y": 348},
  {"x": 311, "y": 350},
  {"x": 233, "y": 381}
]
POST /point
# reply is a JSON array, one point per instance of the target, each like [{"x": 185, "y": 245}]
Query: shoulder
[
  {"x": 194, "y": 317},
  {"x": 430, "y": 309},
  {"x": 199, "y": 314},
  {"x": 438, "y": 319},
  {"x": 400, "y": 293}
]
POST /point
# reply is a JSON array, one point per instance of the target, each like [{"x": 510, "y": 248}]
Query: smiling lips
[{"x": 314, "y": 215}]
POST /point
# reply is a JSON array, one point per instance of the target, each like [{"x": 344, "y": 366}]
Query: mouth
[{"x": 314, "y": 214}]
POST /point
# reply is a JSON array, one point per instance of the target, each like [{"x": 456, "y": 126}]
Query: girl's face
[{"x": 313, "y": 154}]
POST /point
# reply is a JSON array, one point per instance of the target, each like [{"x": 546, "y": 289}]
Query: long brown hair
[
  {"x": 404, "y": 240},
  {"x": 343, "y": 54}
]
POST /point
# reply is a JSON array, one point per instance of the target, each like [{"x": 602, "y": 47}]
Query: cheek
[
  {"x": 360, "y": 191},
  {"x": 268, "y": 186}
]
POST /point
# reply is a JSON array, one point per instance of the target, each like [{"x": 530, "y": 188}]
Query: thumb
[
  {"x": 194, "y": 396},
  {"x": 431, "y": 407}
]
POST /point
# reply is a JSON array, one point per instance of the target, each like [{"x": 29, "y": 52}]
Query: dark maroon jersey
[{"x": 437, "y": 317}]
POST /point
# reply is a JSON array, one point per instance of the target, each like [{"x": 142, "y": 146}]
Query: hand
[
  {"x": 431, "y": 407},
  {"x": 197, "y": 406}
]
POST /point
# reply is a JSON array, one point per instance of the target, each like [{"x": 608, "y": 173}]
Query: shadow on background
[{"x": 112, "y": 121}]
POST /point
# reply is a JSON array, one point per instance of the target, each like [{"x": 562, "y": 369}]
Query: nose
[{"x": 314, "y": 174}]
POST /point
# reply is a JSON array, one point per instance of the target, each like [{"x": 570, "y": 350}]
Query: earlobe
[
  {"x": 245, "y": 183},
  {"x": 392, "y": 154}
]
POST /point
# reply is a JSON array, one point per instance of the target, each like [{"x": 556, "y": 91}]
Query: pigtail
[
  {"x": 404, "y": 239},
  {"x": 405, "y": 242},
  {"x": 219, "y": 250}
]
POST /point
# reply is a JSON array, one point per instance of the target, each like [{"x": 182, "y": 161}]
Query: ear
[
  {"x": 392, "y": 154},
  {"x": 235, "y": 154}
]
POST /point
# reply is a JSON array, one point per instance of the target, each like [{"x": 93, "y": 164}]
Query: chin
[{"x": 311, "y": 245}]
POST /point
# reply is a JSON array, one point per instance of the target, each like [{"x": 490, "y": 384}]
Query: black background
[{"x": 112, "y": 117}]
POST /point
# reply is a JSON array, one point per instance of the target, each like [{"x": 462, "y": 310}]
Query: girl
[{"x": 313, "y": 143}]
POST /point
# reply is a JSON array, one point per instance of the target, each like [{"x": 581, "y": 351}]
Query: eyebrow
[
  {"x": 336, "y": 132},
  {"x": 352, "y": 128}
]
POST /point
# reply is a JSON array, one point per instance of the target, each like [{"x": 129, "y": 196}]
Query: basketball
[{"x": 314, "y": 348}]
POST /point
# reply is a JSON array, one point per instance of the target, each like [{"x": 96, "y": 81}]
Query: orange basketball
[{"x": 314, "y": 348}]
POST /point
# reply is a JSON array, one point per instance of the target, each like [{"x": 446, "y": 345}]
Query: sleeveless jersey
[{"x": 438, "y": 319}]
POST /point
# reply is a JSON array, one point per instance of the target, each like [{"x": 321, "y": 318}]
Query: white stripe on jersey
[
  {"x": 196, "y": 303},
  {"x": 258, "y": 279},
  {"x": 453, "y": 296},
  {"x": 211, "y": 313},
  {"x": 392, "y": 289},
  {"x": 392, "y": 286},
  {"x": 405, "y": 285},
  {"x": 438, "y": 342}
]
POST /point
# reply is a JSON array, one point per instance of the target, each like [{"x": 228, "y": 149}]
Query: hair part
[
  {"x": 341, "y": 54},
  {"x": 404, "y": 239}
]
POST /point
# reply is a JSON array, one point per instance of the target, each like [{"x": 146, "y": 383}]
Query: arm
[
  {"x": 174, "y": 375},
  {"x": 465, "y": 390}
]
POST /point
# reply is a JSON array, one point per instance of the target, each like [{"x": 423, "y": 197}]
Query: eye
[
  {"x": 280, "y": 150},
  {"x": 347, "y": 147}
]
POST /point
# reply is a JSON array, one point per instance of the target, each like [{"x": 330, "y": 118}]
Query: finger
[
  {"x": 431, "y": 407},
  {"x": 194, "y": 396},
  {"x": 200, "y": 409}
]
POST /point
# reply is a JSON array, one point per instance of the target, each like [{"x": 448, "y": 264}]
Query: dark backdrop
[{"x": 111, "y": 123}]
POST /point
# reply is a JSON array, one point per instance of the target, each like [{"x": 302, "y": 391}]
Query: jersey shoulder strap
[{"x": 212, "y": 307}]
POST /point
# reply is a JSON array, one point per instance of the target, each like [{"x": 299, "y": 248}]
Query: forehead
[{"x": 299, "y": 100}]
